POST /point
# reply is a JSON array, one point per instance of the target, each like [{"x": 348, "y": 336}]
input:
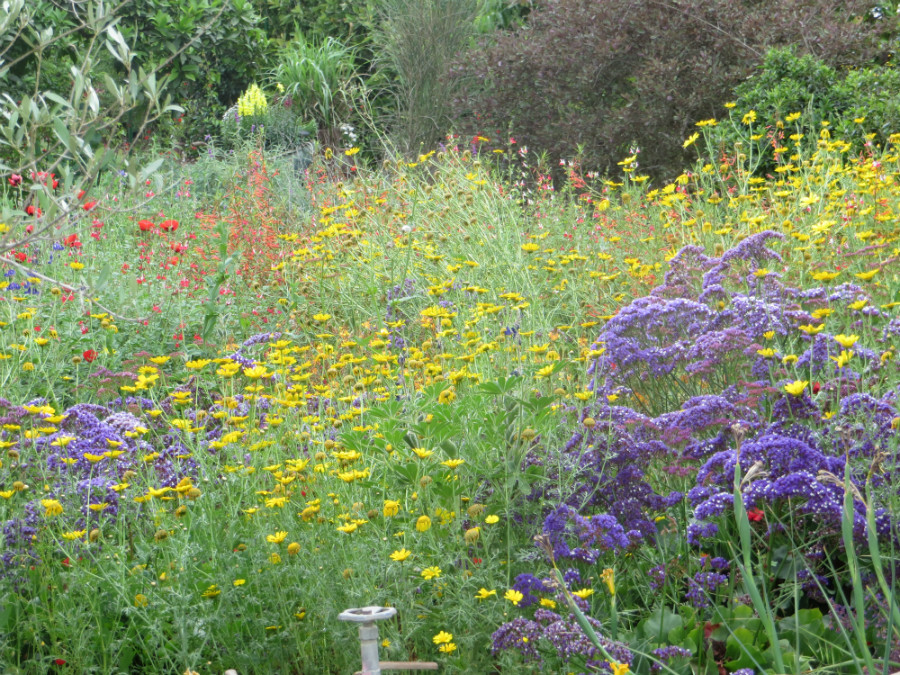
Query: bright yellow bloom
[
  {"x": 690, "y": 141},
  {"x": 514, "y": 596},
  {"x": 484, "y": 594},
  {"x": 391, "y": 508},
  {"x": 52, "y": 507},
  {"x": 825, "y": 276},
  {"x": 584, "y": 593},
  {"x": 400, "y": 555},
  {"x": 211, "y": 592},
  {"x": 810, "y": 329},
  {"x": 442, "y": 638},
  {"x": 843, "y": 358},
  {"x": 797, "y": 387},
  {"x": 276, "y": 538},
  {"x": 846, "y": 341},
  {"x": 256, "y": 372},
  {"x": 423, "y": 524},
  {"x": 430, "y": 573},
  {"x": 865, "y": 276}
]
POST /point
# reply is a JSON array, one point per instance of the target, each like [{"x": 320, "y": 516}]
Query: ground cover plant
[{"x": 608, "y": 426}]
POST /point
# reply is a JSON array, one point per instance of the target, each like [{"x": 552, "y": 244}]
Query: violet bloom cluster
[
  {"x": 789, "y": 461},
  {"x": 562, "y": 634}
]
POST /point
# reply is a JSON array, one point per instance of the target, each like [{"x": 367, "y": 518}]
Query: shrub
[
  {"x": 604, "y": 75},
  {"x": 861, "y": 106},
  {"x": 212, "y": 49},
  {"x": 58, "y": 137},
  {"x": 417, "y": 42},
  {"x": 317, "y": 79}
]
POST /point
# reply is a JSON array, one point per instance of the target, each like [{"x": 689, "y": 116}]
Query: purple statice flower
[
  {"x": 521, "y": 635},
  {"x": 571, "y": 577},
  {"x": 564, "y": 635},
  {"x": 664, "y": 655},
  {"x": 752, "y": 249},
  {"x": 702, "y": 586},
  {"x": 527, "y": 585},
  {"x": 657, "y": 576},
  {"x": 598, "y": 533}
]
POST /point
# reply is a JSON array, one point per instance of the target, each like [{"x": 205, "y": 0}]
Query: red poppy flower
[
  {"x": 146, "y": 225},
  {"x": 87, "y": 206},
  {"x": 72, "y": 241},
  {"x": 89, "y": 355},
  {"x": 168, "y": 225},
  {"x": 15, "y": 180},
  {"x": 755, "y": 515},
  {"x": 817, "y": 387},
  {"x": 33, "y": 210},
  {"x": 59, "y": 662}
]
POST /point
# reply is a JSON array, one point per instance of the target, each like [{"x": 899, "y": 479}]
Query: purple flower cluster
[
  {"x": 594, "y": 535},
  {"x": 564, "y": 636}
]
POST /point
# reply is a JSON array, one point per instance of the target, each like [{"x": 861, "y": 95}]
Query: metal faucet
[{"x": 368, "y": 641}]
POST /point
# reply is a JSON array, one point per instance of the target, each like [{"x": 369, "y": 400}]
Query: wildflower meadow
[{"x": 562, "y": 421}]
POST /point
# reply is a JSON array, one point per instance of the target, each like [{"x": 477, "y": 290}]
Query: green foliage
[
  {"x": 317, "y": 80},
  {"x": 317, "y": 19},
  {"x": 212, "y": 49},
  {"x": 32, "y": 50},
  {"x": 641, "y": 71},
  {"x": 860, "y": 106},
  {"x": 56, "y": 140},
  {"x": 416, "y": 42}
]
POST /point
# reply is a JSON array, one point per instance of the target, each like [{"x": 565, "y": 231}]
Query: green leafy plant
[
  {"x": 318, "y": 80},
  {"x": 641, "y": 73}
]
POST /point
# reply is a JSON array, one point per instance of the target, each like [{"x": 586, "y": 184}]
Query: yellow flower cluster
[{"x": 252, "y": 102}]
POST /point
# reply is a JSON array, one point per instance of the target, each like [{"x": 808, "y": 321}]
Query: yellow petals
[
  {"x": 400, "y": 555},
  {"x": 797, "y": 387},
  {"x": 514, "y": 596}
]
